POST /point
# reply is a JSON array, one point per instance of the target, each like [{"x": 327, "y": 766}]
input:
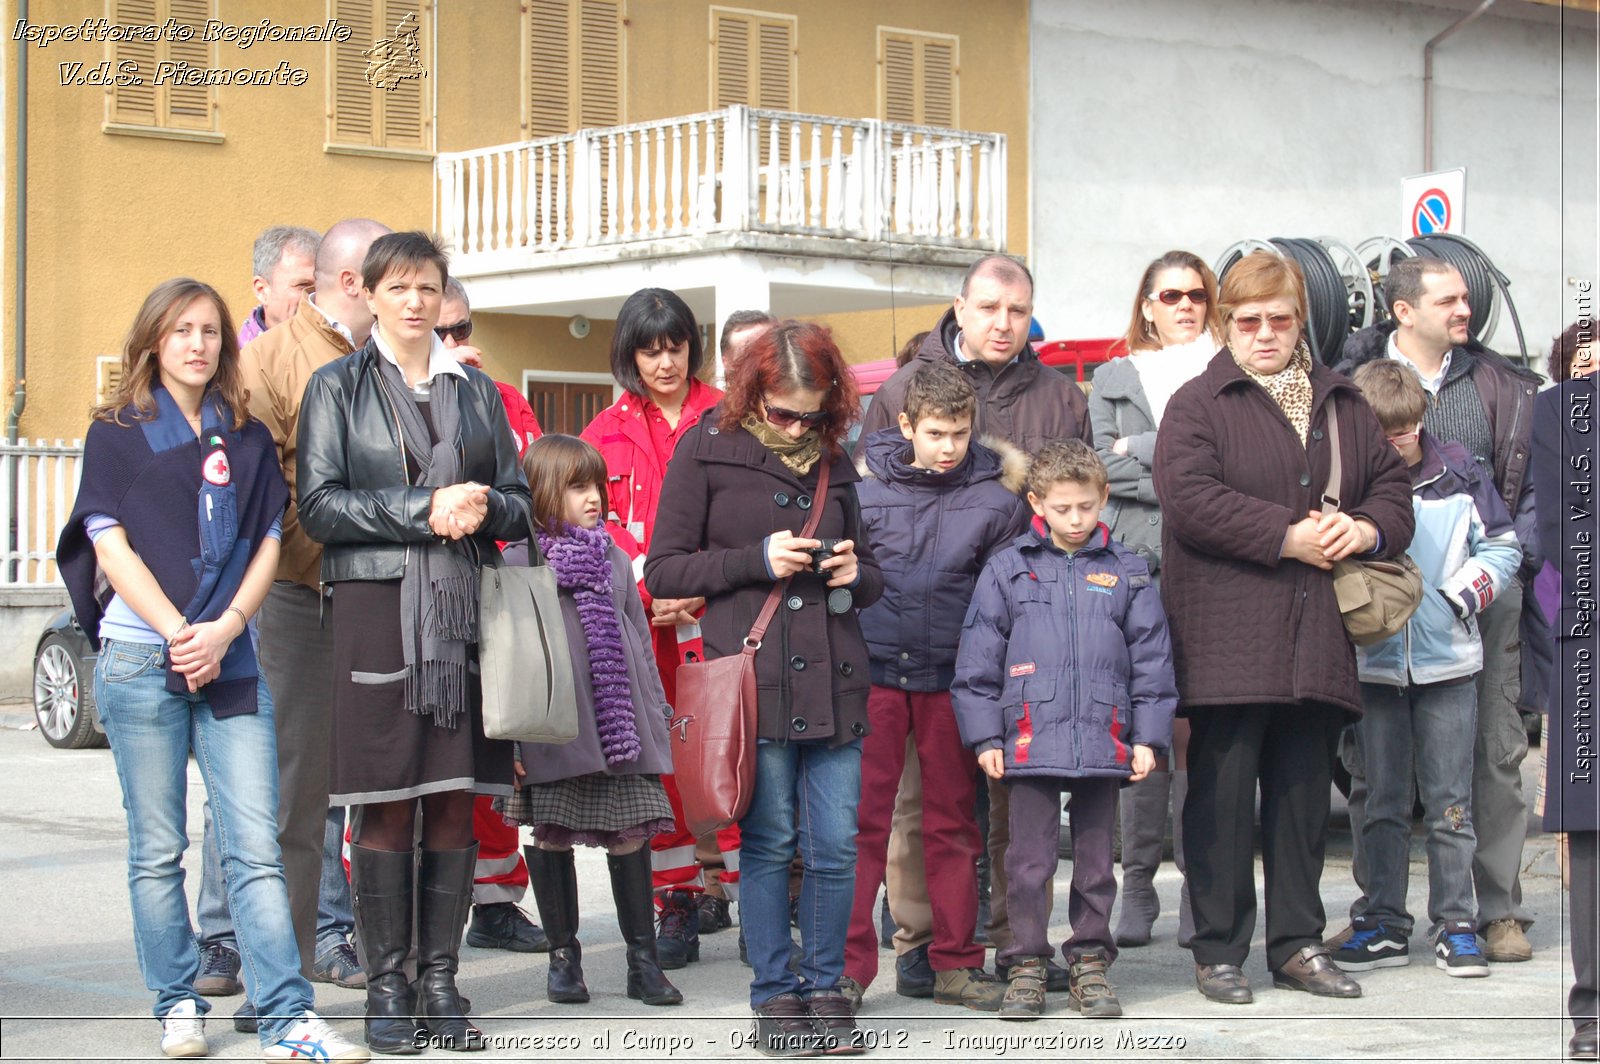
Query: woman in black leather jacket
[{"x": 407, "y": 476}]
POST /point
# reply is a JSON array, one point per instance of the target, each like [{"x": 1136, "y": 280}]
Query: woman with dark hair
[
  {"x": 1266, "y": 673},
  {"x": 408, "y": 475},
  {"x": 656, "y": 355},
  {"x": 743, "y": 481},
  {"x": 1572, "y": 354},
  {"x": 179, "y": 509},
  {"x": 1171, "y": 337}
]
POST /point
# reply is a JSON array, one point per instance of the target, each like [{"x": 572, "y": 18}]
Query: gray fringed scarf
[{"x": 439, "y": 592}]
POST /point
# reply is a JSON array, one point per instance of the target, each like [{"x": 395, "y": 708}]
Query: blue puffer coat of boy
[
  {"x": 1065, "y": 659},
  {"x": 932, "y": 533}
]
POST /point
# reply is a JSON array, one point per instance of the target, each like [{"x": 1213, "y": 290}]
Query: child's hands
[
  {"x": 993, "y": 763},
  {"x": 1144, "y": 759}
]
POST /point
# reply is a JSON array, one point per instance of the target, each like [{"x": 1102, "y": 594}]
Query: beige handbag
[
  {"x": 1376, "y": 597},
  {"x": 523, "y": 656}
]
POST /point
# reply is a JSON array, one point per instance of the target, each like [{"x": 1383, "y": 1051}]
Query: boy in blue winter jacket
[
  {"x": 1419, "y": 694},
  {"x": 934, "y": 506},
  {"x": 1064, "y": 682}
]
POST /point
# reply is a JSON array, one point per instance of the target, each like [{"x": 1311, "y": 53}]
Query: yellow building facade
[{"x": 246, "y": 115}]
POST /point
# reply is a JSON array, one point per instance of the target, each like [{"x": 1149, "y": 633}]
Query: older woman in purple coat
[{"x": 603, "y": 788}]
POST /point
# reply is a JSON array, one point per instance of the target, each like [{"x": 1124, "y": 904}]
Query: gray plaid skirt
[{"x": 593, "y": 810}]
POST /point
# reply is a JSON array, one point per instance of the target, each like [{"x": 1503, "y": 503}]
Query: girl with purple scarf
[{"x": 604, "y": 788}]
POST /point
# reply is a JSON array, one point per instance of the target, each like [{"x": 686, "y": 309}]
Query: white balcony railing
[
  {"x": 38, "y": 484},
  {"x": 738, "y": 169}
]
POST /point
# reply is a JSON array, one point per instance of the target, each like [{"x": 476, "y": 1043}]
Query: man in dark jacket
[
  {"x": 1027, "y": 404},
  {"x": 985, "y": 334},
  {"x": 1482, "y": 401}
]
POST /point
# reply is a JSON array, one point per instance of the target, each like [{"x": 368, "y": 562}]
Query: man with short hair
[
  {"x": 737, "y": 331},
  {"x": 284, "y": 260},
  {"x": 296, "y": 649},
  {"x": 501, "y": 877},
  {"x": 1027, "y": 404},
  {"x": 1481, "y": 400}
]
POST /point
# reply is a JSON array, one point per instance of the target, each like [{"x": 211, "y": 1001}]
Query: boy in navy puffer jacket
[
  {"x": 1064, "y": 682},
  {"x": 1419, "y": 694},
  {"x": 934, "y": 506}
]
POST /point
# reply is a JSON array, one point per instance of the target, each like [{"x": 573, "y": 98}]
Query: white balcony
[
  {"x": 868, "y": 211},
  {"x": 737, "y": 171}
]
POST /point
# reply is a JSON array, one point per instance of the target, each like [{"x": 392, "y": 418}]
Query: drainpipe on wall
[
  {"x": 1427, "y": 79},
  {"x": 19, "y": 399}
]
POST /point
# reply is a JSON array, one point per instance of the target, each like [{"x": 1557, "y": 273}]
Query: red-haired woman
[{"x": 741, "y": 484}]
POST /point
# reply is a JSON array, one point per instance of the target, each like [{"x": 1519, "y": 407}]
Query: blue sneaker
[
  {"x": 1456, "y": 952},
  {"x": 1370, "y": 947}
]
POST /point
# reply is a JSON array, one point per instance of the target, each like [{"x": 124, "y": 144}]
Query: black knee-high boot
[
  {"x": 636, "y": 915},
  {"x": 445, "y": 898},
  {"x": 382, "y": 886},
  {"x": 555, "y": 889}
]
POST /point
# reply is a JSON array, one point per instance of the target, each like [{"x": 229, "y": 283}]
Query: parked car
[{"x": 63, "y": 686}]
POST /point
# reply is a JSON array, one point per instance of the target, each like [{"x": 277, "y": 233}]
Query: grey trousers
[
  {"x": 297, "y": 661},
  {"x": 1583, "y": 1002},
  {"x": 1498, "y": 809}
]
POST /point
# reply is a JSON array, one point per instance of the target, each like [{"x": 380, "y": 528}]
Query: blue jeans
[
  {"x": 805, "y": 799},
  {"x": 1418, "y": 739},
  {"x": 152, "y": 732}
]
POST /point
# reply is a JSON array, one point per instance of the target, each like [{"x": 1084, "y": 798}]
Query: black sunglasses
[
  {"x": 1173, "y": 296},
  {"x": 458, "y": 333},
  {"x": 782, "y": 418}
]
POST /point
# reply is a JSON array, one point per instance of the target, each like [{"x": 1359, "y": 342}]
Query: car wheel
[{"x": 63, "y": 697}]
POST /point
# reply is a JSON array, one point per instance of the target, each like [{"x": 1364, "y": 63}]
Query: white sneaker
[
  {"x": 183, "y": 1032},
  {"x": 310, "y": 1038}
]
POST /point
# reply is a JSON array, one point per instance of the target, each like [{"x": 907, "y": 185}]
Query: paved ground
[{"x": 70, "y": 987}]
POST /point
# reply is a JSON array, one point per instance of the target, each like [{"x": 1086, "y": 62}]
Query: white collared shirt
[
  {"x": 339, "y": 328},
  {"x": 1430, "y": 385},
  {"x": 440, "y": 360},
  {"x": 961, "y": 353}
]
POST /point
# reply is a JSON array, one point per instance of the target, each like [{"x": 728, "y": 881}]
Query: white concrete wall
[{"x": 1170, "y": 123}]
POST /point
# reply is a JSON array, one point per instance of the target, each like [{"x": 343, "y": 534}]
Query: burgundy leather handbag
[{"x": 714, "y": 731}]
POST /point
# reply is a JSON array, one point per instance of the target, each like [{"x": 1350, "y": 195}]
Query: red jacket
[
  {"x": 634, "y": 468},
  {"x": 524, "y": 426}
]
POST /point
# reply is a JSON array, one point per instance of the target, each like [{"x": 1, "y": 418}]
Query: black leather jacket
[{"x": 354, "y": 495}]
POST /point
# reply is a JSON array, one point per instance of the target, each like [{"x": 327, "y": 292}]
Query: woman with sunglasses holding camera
[
  {"x": 742, "y": 486},
  {"x": 1172, "y": 335},
  {"x": 656, "y": 355}
]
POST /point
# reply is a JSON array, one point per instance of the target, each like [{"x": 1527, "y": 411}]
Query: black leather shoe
[
  {"x": 245, "y": 1021},
  {"x": 1585, "y": 1043},
  {"x": 678, "y": 932},
  {"x": 501, "y": 925},
  {"x": 1224, "y": 983},
  {"x": 1313, "y": 970},
  {"x": 1057, "y": 979},
  {"x": 786, "y": 1027},
  {"x": 913, "y": 976}
]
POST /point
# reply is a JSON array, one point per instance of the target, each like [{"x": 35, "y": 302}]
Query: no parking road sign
[{"x": 1434, "y": 203}]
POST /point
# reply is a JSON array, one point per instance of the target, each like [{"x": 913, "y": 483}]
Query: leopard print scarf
[{"x": 1290, "y": 388}]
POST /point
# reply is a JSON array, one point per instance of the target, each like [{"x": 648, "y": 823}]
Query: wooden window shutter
[
  {"x": 362, "y": 114},
  {"x": 753, "y": 59},
  {"x": 548, "y": 37},
  {"x": 920, "y": 77},
  {"x": 732, "y": 67},
  {"x": 599, "y": 101},
  {"x": 172, "y": 105},
  {"x": 352, "y": 96},
  {"x": 899, "y": 80},
  {"x": 135, "y": 104},
  {"x": 189, "y": 106}
]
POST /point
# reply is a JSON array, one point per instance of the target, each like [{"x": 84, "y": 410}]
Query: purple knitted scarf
[{"x": 581, "y": 559}]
